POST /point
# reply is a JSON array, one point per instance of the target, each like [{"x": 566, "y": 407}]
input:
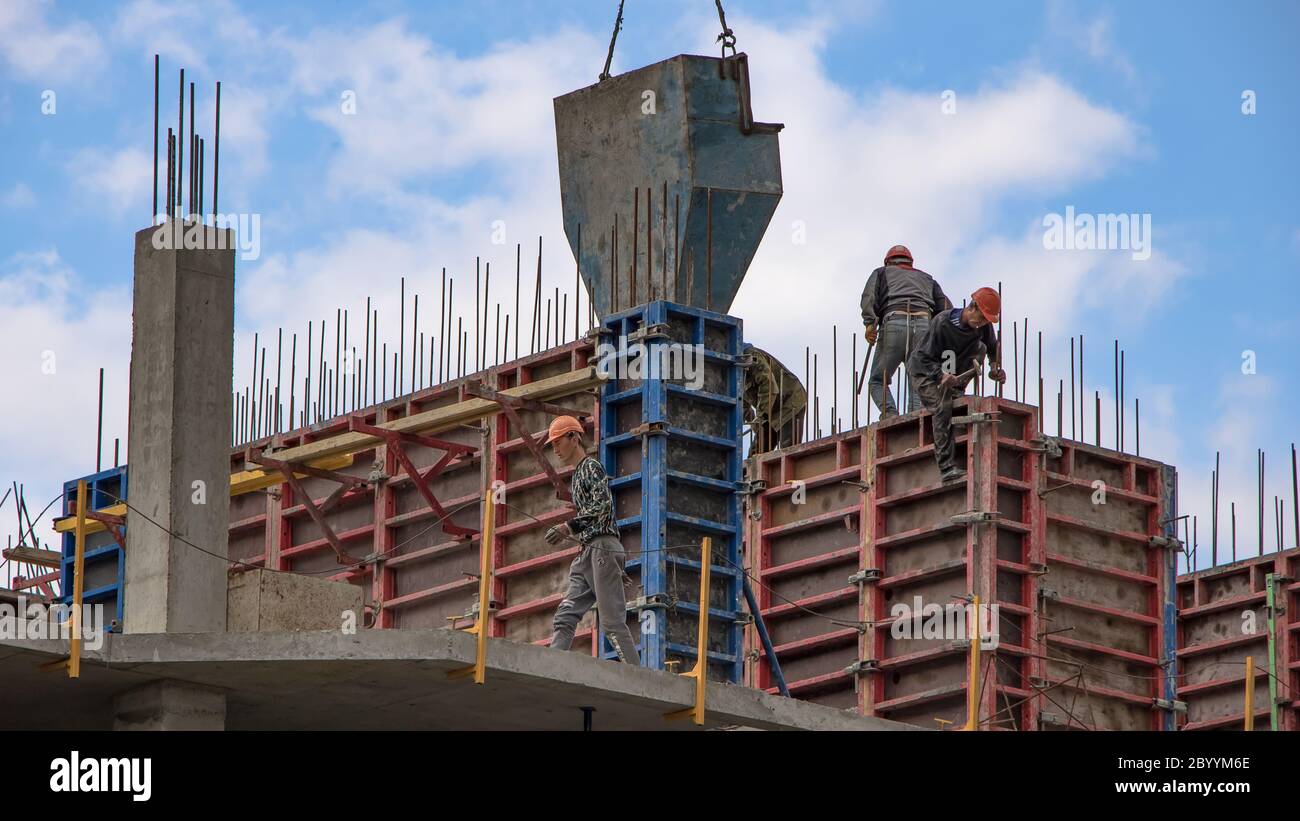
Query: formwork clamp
[
  {"x": 1047, "y": 445},
  {"x": 650, "y": 429},
  {"x": 862, "y": 487},
  {"x": 974, "y": 418},
  {"x": 649, "y": 333},
  {"x": 866, "y": 575},
  {"x": 862, "y": 667},
  {"x": 1170, "y": 705},
  {"x": 655, "y": 601},
  {"x": 1165, "y": 541},
  {"x": 975, "y": 517},
  {"x": 751, "y": 488}
]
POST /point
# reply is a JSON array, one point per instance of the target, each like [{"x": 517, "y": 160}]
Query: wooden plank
[
  {"x": 438, "y": 419},
  {"x": 33, "y": 555}
]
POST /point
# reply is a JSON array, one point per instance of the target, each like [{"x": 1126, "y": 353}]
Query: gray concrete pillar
[
  {"x": 178, "y": 440},
  {"x": 169, "y": 705}
]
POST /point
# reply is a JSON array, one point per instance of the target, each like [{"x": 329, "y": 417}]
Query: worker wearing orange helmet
[
  {"x": 897, "y": 305},
  {"x": 945, "y": 362},
  {"x": 596, "y": 575}
]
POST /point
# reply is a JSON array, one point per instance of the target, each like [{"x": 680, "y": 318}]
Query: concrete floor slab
[{"x": 382, "y": 679}]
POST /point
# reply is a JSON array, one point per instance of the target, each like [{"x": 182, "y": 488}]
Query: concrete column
[
  {"x": 178, "y": 440},
  {"x": 169, "y": 705}
]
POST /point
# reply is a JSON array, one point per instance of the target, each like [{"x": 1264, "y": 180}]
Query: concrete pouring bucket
[{"x": 667, "y": 184}]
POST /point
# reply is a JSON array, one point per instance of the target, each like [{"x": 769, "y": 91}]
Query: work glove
[
  {"x": 871, "y": 333},
  {"x": 557, "y": 534}
]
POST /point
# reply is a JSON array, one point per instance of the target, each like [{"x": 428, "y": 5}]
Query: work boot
[{"x": 952, "y": 474}]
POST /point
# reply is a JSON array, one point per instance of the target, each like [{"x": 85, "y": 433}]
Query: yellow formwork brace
[
  {"x": 701, "y": 669},
  {"x": 79, "y": 582},
  {"x": 1250, "y": 692},
  {"x": 480, "y": 628},
  {"x": 973, "y": 685},
  {"x": 73, "y": 663}
]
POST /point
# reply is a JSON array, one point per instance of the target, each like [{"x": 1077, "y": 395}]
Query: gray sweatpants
[{"x": 596, "y": 577}]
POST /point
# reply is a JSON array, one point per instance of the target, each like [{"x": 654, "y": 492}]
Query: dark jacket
[
  {"x": 896, "y": 288},
  {"x": 965, "y": 343}
]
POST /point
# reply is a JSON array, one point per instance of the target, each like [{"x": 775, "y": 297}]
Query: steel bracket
[
  {"x": 1174, "y": 706},
  {"x": 866, "y": 575},
  {"x": 975, "y": 517},
  {"x": 650, "y": 429},
  {"x": 862, "y": 667},
  {"x": 649, "y": 333},
  {"x": 1165, "y": 541}
]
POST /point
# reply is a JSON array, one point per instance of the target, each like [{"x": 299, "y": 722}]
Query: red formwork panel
[
  {"x": 846, "y": 529},
  {"x": 427, "y": 576},
  {"x": 1222, "y": 619}
]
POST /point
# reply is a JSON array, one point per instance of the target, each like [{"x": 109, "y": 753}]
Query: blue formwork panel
[
  {"x": 670, "y": 440},
  {"x": 104, "y": 561}
]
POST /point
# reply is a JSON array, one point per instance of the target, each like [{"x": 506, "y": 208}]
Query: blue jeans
[{"x": 897, "y": 337}]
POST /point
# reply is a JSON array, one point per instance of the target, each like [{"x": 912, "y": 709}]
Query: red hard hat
[
  {"x": 561, "y": 426},
  {"x": 898, "y": 251},
  {"x": 990, "y": 304}
]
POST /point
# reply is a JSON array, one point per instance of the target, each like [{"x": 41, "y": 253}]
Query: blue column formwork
[
  {"x": 105, "y": 563},
  {"x": 670, "y": 439}
]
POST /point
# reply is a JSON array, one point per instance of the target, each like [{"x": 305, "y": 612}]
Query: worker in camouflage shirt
[{"x": 596, "y": 575}]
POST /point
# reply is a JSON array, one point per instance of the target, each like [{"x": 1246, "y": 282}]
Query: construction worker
[
  {"x": 897, "y": 305},
  {"x": 596, "y": 575},
  {"x": 774, "y": 400},
  {"x": 945, "y": 362}
]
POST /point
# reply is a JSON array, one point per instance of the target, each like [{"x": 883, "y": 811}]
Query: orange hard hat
[
  {"x": 990, "y": 304},
  {"x": 898, "y": 251},
  {"x": 561, "y": 426}
]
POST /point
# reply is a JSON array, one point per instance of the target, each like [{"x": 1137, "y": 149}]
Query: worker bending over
[
  {"x": 897, "y": 305},
  {"x": 945, "y": 362},
  {"x": 596, "y": 575}
]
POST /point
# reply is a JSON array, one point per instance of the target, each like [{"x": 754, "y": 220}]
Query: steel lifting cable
[{"x": 727, "y": 38}]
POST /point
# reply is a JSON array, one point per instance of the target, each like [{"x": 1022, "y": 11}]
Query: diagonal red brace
[
  {"x": 290, "y": 470},
  {"x": 511, "y": 405},
  {"x": 395, "y": 440}
]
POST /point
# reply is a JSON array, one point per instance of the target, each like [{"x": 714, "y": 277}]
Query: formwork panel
[
  {"x": 1084, "y": 597},
  {"x": 1224, "y": 618}
]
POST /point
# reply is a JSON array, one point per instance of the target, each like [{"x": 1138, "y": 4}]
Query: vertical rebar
[
  {"x": 216, "y": 152},
  {"x": 153, "y": 215},
  {"x": 293, "y": 374},
  {"x": 636, "y": 230},
  {"x": 180, "y": 149},
  {"x": 400, "y": 353},
  {"x": 99, "y": 425}
]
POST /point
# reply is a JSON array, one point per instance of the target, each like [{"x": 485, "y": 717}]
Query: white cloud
[
  {"x": 122, "y": 177},
  {"x": 42, "y": 51},
  {"x": 19, "y": 196},
  {"x": 54, "y": 318},
  {"x": 421, "y": 109}
]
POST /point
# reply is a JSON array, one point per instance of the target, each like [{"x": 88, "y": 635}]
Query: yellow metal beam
[
  {"x": 79, "y": 582},
  {"x": 701, "y": 669},
  {"x": 480, "y": 629},
  {"x": 245, "y": 481},
  {"x": 973, "y": 685},
  {"x": 1250, "y": 692}
]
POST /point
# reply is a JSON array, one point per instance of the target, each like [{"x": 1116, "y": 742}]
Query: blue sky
[{"x": 1104, "y": 107}]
